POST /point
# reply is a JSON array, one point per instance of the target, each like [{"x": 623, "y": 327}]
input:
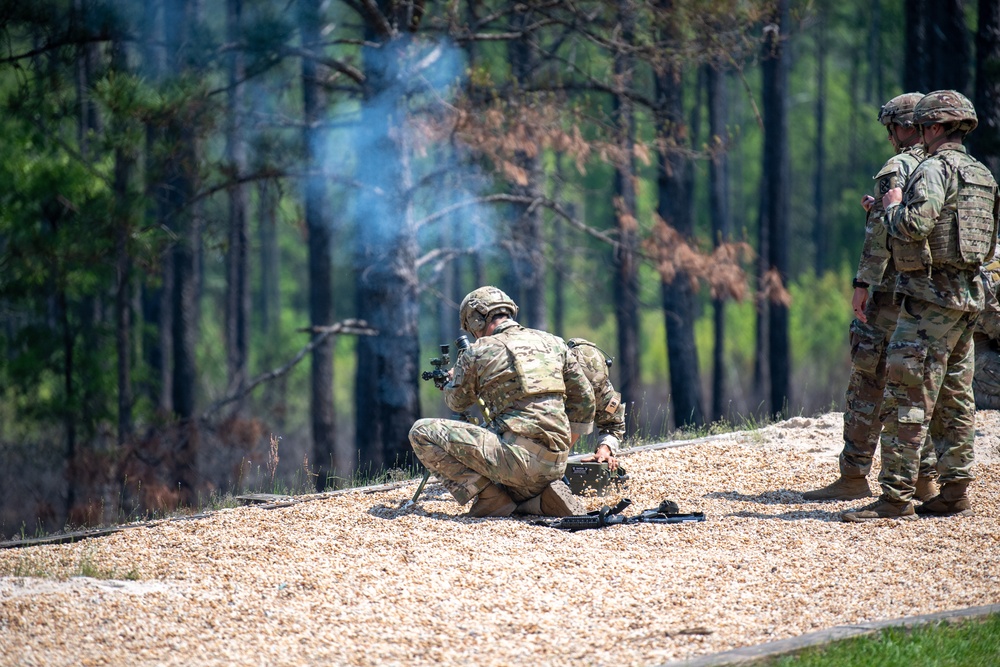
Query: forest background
[{"x": 233, "y": 234}]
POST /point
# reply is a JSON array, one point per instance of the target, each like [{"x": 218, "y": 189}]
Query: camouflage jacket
[
  {"x": 610, "y": 416},
  {"x": 932, "y": 194},
  {"x": 547, "y": 396},
  {"x": 875, "y": 269}
]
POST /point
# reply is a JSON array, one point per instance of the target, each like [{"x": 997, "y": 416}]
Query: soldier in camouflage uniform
[
  {"x": 609, "y": 418},
  {"x": 942, "y": 229},
  {"x": 539, "y": 402},
  {"x": 875, "y": 313}
]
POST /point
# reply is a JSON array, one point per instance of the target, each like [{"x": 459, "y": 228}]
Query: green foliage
[
  {"x": 820, "y": 317},
  {"x": 971, "y": 643}
]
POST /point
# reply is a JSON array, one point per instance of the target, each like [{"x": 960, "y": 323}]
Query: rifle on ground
[{"x": 667, "y": 512}]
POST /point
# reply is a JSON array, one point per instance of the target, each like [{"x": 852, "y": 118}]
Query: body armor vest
[
  {"x": 977, "y": 191},
  {"x": 536, "y": 368},
  {"x": 965, "y": 232}
]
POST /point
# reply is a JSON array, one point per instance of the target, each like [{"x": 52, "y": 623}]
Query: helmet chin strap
[{"x": 930, "y": 148}]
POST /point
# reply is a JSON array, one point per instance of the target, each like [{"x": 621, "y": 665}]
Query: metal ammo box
[{"x": 593, "y": 477}]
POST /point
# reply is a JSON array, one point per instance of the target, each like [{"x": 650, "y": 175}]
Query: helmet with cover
[
  {"x": 480, "y": 305},
  {"x": 899, "y": 110},
  {"x": 946, "y": 107}
]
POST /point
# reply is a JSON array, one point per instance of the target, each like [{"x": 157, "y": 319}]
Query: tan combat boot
[
  {"x": 952, "y": 500},
  {"x": 927, "y": 488},
  {"x": 845, "y": 488},
  {"x": 492, "y": 501},
  {"x": 558, "y": 500},
  {"x": 880, "y": 509}
]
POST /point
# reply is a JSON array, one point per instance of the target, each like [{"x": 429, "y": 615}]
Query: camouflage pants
[
  {"x": 862, "y": 425},
  {"x": 466, "y": 458},
  {"x": 929, "y": 368}
]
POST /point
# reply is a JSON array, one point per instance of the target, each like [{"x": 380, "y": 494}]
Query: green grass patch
[{"x": 970, "y": 643}]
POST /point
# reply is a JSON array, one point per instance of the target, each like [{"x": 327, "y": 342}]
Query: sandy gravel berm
[{"x": 353, "y": 580}]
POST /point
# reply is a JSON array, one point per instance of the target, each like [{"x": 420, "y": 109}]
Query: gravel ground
[{"x": 353, "y": 580}]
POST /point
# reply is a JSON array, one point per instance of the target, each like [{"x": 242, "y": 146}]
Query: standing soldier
[
  {"x": 942, "y": 229},
  {"x": 875, "y": 320},
  {"x": 539, "y": 402}
]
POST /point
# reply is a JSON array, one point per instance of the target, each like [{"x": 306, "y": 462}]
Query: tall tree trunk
[
  {"x": 985, "y": 140},
  {"x": 625, "y": 255},
  {"x": 719, "y": 212},
  {"x": 180, "y": 19},
  {"x": 949, "y": 49},
  {"x": 157, "y": 290},
  {"x": 88, "y": 119},
  {"x": 560, "y": 265},
  {"x": 123, "y": 270},
  {"x": 269, "y": 294},
  {"x": 915, "y": 68},
  {"x": 819, "y": 150},
  {"x": 76, "y": 481},
  {"x": 675, "y": 179},
  {"x": 79, "y": 484},
  {"x": 775, "y": 194},
  {"x": 387, "y": 392},
  {"x": 237, "y": 321},
  {"x": 325, "y": 456},
  {"x": 873, "y": 91},
  {"x": 123, "y": 176},
  {"x": 526, "y": 270}
]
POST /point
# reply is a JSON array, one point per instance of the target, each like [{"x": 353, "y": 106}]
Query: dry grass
[{"x": 353, "y": 580}]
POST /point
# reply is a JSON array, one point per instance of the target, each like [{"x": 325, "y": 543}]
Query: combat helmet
[
  {"x": 946, "y": 106},
  {"x": 899, "y": 110},
  {"x": 480, "y": 305}
]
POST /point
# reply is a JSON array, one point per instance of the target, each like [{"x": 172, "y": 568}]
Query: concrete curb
[{"x": 748, "y": 654}]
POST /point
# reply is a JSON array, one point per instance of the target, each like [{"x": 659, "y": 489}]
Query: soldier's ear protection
[{"x": 476, "y": 321}]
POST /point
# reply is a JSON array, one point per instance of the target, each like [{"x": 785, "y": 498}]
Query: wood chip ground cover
[{"x": 354, "y": 580}]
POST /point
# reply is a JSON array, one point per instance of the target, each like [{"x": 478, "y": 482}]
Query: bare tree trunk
[
  {"x": 269, "y": 295},
  {"x": 915, "y": 69},
  {"x": 325, "y": 459},
  {"x": 675, "y": 180},
  {"x": 237, "y": 321},
  {"x": 949, "y": 49},
  {"x": 387, "y": 393},
  {"x": 719, "y": 212},
  {"x": 873, "y": 91},
  {"x": 124, "y": 216},
  {"x": 88, "y": 120},
  {"x": 75, "y": 481},
  {"x": 157, "y": 290},
  {"x": 625, "y": 256},
  {"x": 819, "y": 151},
  {"x": 123, "y": 176},
  {"x": 84, "y": 334},
  {"x": 526, "y": 271},
  {"x": 776, "y": 65},
  {"x": 180, "y": 19},
  {"x": 985, "y": 141},
  {"x": 560, "y": 265}
]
